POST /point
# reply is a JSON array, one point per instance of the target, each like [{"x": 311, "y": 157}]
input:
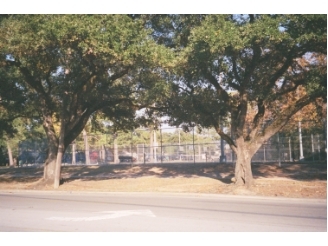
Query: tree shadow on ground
[
  {"x": 134, "y": 171},
  {"x": 20, "y": 174},
  {"x": 219, "y": 171},
  {"x": 296, "y": 171}
]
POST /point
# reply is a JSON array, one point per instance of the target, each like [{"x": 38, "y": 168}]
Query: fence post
[
  {"x": 319, "y": 147},
  {"x": 144, "y": 154},
  {"x": 264, "y": 153},
  {"x": 290, "y": 150},
  {"x": 312, "y": 147},
  {"x": 160, "y": 131},
  {"x": 131, "y": 144},
  {"x": 193, "y": 141}
]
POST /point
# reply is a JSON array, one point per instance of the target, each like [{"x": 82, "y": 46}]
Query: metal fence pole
[
  {"x": 319, "y": 147},
  {"x": 131, "y": 144},
  {"x": 193, "y": 141},
  {"x": 290, "y": 150},
  {"x": 144, "y": 154},
  {"x": 160, "y": 130},
  {"x": 312, "y": 147}
]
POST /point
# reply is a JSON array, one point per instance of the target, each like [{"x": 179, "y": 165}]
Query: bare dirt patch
[{"x": 304, "y": 180}]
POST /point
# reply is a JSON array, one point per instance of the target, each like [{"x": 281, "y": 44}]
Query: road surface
[{"x": 37, "y": 211}]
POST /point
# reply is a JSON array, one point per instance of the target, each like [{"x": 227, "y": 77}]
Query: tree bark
[
  {"x": 50, "y": 164},
  {"x": 243, "y": 167},
  {"x": 74, "y": 153},
  {"x": 86, "y": 148},
  {"x": 10, "y": 155},
  {"x": 103, "y": 154},
  {"x": 60, "y": 154},
  {"x": 116, "y": 159}
]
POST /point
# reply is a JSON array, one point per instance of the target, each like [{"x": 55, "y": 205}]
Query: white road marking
[{"x": 109, "y": 215}]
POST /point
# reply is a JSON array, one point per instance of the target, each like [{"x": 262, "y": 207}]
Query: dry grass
[{"x": 292, "y": 180}]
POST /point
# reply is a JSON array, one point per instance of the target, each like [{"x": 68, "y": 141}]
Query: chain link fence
[{"x": 100, "y": 149}]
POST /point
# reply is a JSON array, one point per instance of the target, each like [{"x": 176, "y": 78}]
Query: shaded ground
[{"x": 305, "y": 180}]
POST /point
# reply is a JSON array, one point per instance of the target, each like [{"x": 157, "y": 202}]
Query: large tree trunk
[
  {"x": 243, "y": 167},
  {"x": 116, "y": 157},
  {"x": 60, "y": 154},
  {"x": 57, "y": 175},
  {"x": 74, "y": 153},
  {"x": 49, "y": 167},
  {"x": 50, "y": 164},
  {"x": 10, "y": 155},
  {"x": 86, "y": 148},
  {"x": 102, "y": 154}
]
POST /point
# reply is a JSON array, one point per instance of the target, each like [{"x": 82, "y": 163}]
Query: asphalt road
[{"x": 36, "y": 211}]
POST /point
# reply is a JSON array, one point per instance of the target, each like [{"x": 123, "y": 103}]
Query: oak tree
[
  {"x": 237, "y": 63},
  {"x": 72, "y": 66}
]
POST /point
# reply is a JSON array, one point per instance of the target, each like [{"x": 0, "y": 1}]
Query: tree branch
[
  {"x": 282, "y": 119},
  {"x": 220, "y": 91}
]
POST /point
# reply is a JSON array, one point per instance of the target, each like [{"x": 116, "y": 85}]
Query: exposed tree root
[{"x": 41, "y": 183}]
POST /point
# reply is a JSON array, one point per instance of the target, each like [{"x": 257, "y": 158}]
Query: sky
[{"x": 162, "y": 7}]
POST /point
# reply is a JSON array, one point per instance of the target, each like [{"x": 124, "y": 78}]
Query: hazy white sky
[{"x": 162, "y": 7}]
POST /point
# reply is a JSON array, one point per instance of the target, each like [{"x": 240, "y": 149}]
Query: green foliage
[
  {"x": 75, "y": 65},
  {"x": 13, "y": 104},
  {"x": 205, "y": 70},
  {"x": 25, "y": 130},
  {"x": 234, "y": 65}
]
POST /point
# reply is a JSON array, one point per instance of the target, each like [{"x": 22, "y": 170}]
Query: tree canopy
[
  {"x": 71, "y": 66},
  {"x": 252, "y": 72},
  {"x": 235, "y": 63}
]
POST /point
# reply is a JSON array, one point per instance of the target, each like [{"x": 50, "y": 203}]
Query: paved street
[{"x": 146, "y": 212}]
